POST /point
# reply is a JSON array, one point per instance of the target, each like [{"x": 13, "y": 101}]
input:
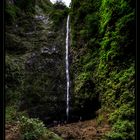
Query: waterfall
[{"x": 67, "y": 66}]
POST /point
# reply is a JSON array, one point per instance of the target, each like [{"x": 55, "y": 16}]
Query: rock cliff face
[
  {"x": 37, "y": 45},
  {"x": 45, "y": 69}
]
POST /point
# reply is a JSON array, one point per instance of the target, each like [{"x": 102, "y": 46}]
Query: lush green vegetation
[
  {"x": 34, "y": 129},
  {"x": 29, "y": 128},
  {"x": 58, "y": 13},
  {"x": 103, "y": 44},
  {"x": 102, "y": 60}
]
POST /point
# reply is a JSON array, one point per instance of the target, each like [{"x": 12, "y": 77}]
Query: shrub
[
  {"x": 122, "y": 130},
  {"x": 31, "y": 129},
  {"x": 100, "y": 119},
  {"x": 10, "y": 114}
]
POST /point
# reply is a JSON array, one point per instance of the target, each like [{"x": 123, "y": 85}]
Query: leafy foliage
[
  {"x": 45, "y": 5},
  {"x": 31, "y": 129},
  {"x": 120, "y": 131},
  {"x": 14, "y": 80},
  {"x": 34, "y": 129},
  {"x": 10, "y": 12},
  {"x": 100, "y": 119},
  {"x": 12, "y": 115},
  {"x": 58, "y": 13},
  {"x": 103, "y": 42}
]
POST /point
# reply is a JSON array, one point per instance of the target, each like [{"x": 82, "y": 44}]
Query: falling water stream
[{"x": 67, "y": 66}]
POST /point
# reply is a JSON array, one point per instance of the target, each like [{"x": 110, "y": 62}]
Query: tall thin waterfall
[{"x": 67, "y": 66}]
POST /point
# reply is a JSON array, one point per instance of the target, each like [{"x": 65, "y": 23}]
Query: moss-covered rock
[{"x": 35, "y": 63}]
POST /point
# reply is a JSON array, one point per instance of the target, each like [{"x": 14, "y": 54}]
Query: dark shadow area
[{"x": 86, "y": 112}]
